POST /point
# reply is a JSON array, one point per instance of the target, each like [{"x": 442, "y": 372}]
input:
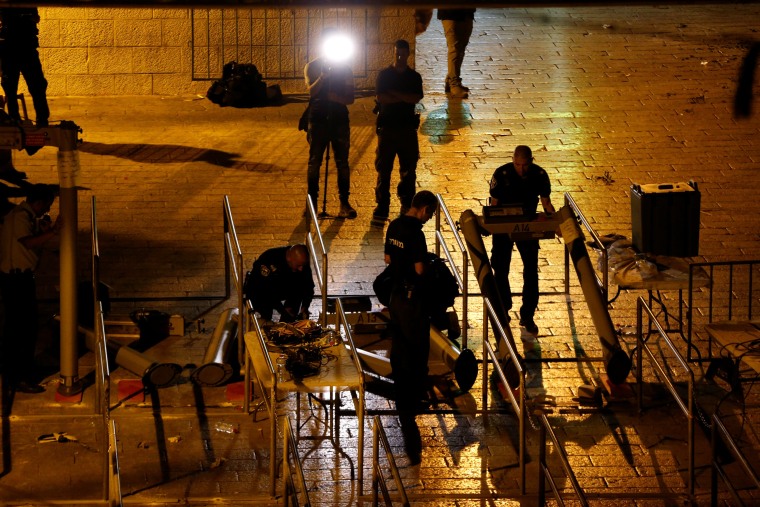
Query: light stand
[{"x": 324, "y": 213}]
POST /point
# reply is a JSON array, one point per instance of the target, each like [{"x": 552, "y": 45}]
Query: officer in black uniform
[
  {"x": 406, "y": 253},
  {"x": 520, "y": 182},
  {"x": 18, "y": 51},
  {"x": 398, "y": 89},
  {"x": 281, "y": 280}
]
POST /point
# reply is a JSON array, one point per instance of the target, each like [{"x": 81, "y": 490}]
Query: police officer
[
  {"x": 24, "y": 233},
  {"x": 18, "y": 51},
  {"x": 398, "y": 89},
  {"x": 281, "y": 280},
  {"x": 406, "y": 253},
  {"x": 520, "y": 182}
]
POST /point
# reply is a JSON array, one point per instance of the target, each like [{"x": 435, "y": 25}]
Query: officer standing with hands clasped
[
  {"x": 281, "y": 280},
  {"x": 406, "y": 253},
  {"x": 398, "y": 89},
  {"x": 520, "y": 182}
]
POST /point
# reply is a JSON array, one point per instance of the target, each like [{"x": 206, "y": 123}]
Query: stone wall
[{"x": 98, "y": 51}]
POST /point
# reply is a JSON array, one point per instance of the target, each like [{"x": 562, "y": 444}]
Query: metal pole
[{"x": 68, "y": 174}]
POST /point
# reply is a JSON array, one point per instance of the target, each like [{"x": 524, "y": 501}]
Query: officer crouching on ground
[
  {"x": 406, "y": 253},
  {"x": 281, "y": 280}
]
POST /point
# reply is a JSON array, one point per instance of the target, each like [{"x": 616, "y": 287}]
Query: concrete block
[
  {"x": 86, "y": 33},
  {"x": 90, "y": 85},
  {"x": 175, "y": 32},
  {"x": 49, "y": 13},
  {"x": 49, "y": 33},
  {"x": 171, "y": 14},
  {"x": 137, "y": 32},
  {"x": 110, "y": 60},
  {"x": 64, "y": 61},
  {"x": 156, "y": 60}
]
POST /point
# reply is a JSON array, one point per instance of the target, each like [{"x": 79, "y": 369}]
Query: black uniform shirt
[
  {"x": 510, "y": 188},
  {"x": 272, "y": 277},
  {"x": 405, "y": 244},
  {"x": 398, "y": 114}
]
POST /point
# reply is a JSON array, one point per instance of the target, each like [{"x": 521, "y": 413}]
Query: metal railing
[
  {"x": 687, "y": 406},
  {"x": 602, "y": 282},
  {"x": 441, "y": 242},
  {"x": 378, "y": 479},
  {"x": 234, "y": 267},
  {"x": 517, "y": 405},
  {"x": 290, "y": 450},
  {"x": 112, "y": 482},
  {"x": 348, "y": 338},
  {"x": 545, "y": 475},
  {"x": 322, "y": 252},
  {"x": 719, "y": 434},
  {"x": 723, "y": 290},
  {"x": 269, "y": 399}
]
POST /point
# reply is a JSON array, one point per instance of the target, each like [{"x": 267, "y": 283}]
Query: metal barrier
[
  {"x": 544, "y": 474},
  {"x": 441, "y": 242},
  {"x": 378, "y": 480},
  {"x": 720, "y": 434},
  {"x": 517, "y": 405},
  {"x": 360, "y": 409},
  {"x": 289, "y": 490},
  {"x": 112, "y": 482},
  {"x": 321, "y": 272},
  {"x": 233, "y": 265},
  {"x": 687, "y": 407},
  {"x": 720, "y": 300},
  {"x": 602, "y": 282},
  {"x": 269, "y": 399}
]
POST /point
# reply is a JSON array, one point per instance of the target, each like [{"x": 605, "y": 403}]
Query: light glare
[{"x": 337, "y": 48}]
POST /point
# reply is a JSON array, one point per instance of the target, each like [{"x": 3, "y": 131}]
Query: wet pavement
[{"x": 606, "y": 98}]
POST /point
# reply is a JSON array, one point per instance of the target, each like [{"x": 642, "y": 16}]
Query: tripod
[{"x": 324, "y": 213}]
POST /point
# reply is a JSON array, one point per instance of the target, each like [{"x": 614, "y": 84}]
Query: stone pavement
[{"x": 606, "y": 97}]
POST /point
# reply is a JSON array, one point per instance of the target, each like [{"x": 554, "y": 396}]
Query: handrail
[
  {"x": 234, "y": 257},
  {"x": 517, "y": 405},
  {"x": 271, "y": 402},
  {"x": 321, "y": 273},
  {"x": 695, "y": 267},
  {"x": 341, "y": 320},
  {"x": 289, "y": 447},
  {"x": 462, "y": 280},
  {"x": 686, "y": 408},
  {"x": 112, "y": 483},
  {"x": 719, "y": 431},
  {"x": 603, "y": 283},
  {"x": 544, "y": 474},
  {"x": 378, "y": 480}
]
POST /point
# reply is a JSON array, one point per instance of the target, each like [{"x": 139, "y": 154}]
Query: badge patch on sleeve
[{"x": 264, "y": 270}]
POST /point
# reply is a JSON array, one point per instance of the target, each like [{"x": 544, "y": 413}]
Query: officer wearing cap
[{"x": 281, "y": 280}]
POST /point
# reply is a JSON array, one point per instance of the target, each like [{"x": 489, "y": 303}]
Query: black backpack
[
  {"x": 441, "y": 286},
  {"x": 241, "y": 86}
]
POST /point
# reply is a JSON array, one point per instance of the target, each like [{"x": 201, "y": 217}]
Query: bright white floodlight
[{"x": 337, "y": 48}]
